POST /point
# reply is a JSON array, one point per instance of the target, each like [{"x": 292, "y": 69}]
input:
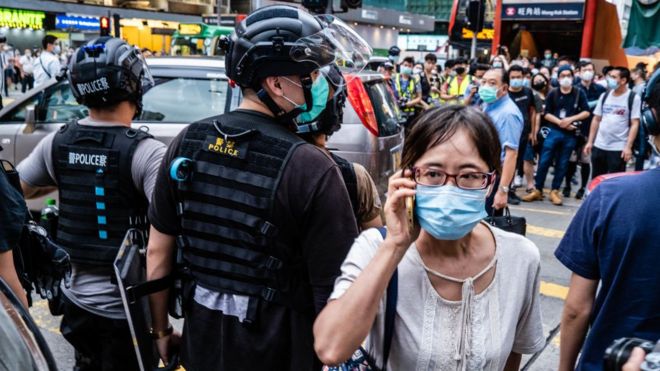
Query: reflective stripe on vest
[
  {"x": 229, "y": 241},
  {"x": 98, "y": 199},
  {"x": 409, "y": 93}
]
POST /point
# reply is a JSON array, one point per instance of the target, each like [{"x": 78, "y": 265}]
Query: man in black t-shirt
[
  {"x": 523, "y": 97},
  {"x": 262, "y": 219},
  {"x": 593, "y": 92},
  {"x": 565, "y": 110}
]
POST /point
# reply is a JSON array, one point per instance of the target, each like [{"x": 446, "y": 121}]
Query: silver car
[{"x": 190, "y": 89}]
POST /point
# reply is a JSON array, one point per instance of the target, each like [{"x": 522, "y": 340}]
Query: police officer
[
  {"x": 362, "y": 190},
  {"x": 261, "y": 219},
  {"x": 105, "y": 172}
]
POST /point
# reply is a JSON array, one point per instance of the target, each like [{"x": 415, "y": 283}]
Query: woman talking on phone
[{"x": 467, "y": 292}]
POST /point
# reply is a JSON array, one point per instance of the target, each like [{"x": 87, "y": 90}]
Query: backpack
[{"x": 631, "y": 100}]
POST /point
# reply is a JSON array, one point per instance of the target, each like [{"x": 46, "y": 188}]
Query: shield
[{"x": 130, "y": 269}]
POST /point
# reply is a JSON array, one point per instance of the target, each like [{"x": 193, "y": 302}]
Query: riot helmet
[
  {"x": 107, "y": 71},
  {"x": 330, "y": 120},
  {"x": 280, "y": 41}
]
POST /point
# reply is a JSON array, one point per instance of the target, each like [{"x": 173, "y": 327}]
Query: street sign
[{"x": 543, "y": 10}]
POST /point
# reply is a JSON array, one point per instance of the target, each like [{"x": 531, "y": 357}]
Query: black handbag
[{"x": 514, "y": 224}]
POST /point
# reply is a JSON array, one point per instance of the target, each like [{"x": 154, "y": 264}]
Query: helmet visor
[
  {"x": 336, "y": 43},
  {"x": 134, "y": 62}
]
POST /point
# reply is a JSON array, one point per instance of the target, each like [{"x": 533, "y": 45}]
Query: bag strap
[
  {"x": 390, "y": 309},
  {"x": 631, "y": 100},
  {"x": 44, "y": 68}
]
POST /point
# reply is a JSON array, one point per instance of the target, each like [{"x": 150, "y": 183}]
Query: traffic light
[
  {"x": 350, "y": 4},
  {"x": 105, "y": 26},
  {"x": 475, "y": 15},
  {"x": 316, "y": 6}
]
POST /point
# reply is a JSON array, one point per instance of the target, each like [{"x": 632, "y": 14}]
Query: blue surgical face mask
[
  {"x": 516, "y": 83},
  {"x": 526, "y": 83},
  {"x": 320, "y": 91},
  {"x": 448, "y": 212},
  {"x": 488, "y": 93},
  {"x": 612, "y": 83},
  {"x": 406, "y": 70}
]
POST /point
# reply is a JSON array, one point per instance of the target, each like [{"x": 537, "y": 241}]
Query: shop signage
[
  {"x": 405, "y": 20},
  {"x": 370, "y": 14},
  {"x": 563, "y": 10},
  {"x": 77, "y": 22},
  {"x": 19, "y": 18},
  {"x": 485, "y": 34},
  {"x": 190, "y": 29}
]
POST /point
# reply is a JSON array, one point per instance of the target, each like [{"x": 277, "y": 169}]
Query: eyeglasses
[{"x": 434, "y": 177}]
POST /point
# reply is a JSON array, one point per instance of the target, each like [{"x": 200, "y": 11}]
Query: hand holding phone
[{"x": 402, "y": 228}]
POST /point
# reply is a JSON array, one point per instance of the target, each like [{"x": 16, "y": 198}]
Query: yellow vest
[
  {"x": 455, "y": 88},
  {"x": 410, "y": 91}
]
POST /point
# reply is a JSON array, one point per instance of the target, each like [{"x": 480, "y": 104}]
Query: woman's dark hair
[{"x": 439, "y": 124}]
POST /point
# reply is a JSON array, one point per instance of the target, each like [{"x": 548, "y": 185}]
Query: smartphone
[{"x": 410, "y": 209}]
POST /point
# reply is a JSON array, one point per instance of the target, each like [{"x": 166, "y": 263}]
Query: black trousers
[
  {"x": 101, "y": 344},
  {"x": 606, "y": 162}
]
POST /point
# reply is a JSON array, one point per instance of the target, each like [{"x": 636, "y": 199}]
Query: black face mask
[
  {"x": 460, "y": 70},
  {"x": 539, "y": 85}
]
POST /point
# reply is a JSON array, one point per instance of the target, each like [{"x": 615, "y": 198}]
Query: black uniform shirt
[
  {"x": 312, "y": 207},
  {"x": 524, "y": 99}
]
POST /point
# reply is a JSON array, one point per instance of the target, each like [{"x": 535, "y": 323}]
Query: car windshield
[
  {"x": 184, "y": 100},
  {"x": 385, "y": 108}
]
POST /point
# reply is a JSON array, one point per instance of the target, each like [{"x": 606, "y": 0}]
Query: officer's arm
[
  {"x": 31, "y": 191},
  {"x": 8, "y": 274},
  {"x": 160, "y": 260}
]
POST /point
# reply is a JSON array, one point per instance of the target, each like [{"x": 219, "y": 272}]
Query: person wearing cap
[
  {"x": 261, "y": 219},
  {"x": 393, "y": 55},
  {"x": 565, "y": 109}
]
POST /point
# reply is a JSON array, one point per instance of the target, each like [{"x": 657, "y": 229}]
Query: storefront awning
[{"x": 643, "y": 27}]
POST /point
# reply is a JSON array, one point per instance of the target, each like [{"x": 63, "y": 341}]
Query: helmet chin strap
[{"x": 288, "y": 118}]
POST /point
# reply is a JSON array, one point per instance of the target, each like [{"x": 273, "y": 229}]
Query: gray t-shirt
[
  {"x": 505, "y": 317},
  {"x": 91, "y": 288}
]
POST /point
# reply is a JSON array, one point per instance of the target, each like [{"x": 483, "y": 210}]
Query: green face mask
[
  {"x": 320, "y": 91},
  {"x": 488, "y": 93}
]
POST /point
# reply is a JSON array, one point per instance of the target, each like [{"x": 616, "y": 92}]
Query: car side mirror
[{"x": 30, "y": 120}]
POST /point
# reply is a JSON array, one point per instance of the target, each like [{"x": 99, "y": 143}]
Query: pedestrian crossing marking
[
  {"x": 553, "y": 290},
  {"x": 544, "y": 232},
  {"x": 516, "y": 208}
]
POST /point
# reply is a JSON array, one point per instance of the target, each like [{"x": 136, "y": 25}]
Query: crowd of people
[
  {"x": 574, "y": 118},
  {"x": 263, "y": 241}
]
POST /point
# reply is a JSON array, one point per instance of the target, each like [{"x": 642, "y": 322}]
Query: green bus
[{"x": 197, "y": 39}]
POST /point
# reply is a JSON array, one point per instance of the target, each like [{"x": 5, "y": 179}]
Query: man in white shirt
[
  {"x": 48, "y": 64},
  {"x": 615, "y": 125},
  {"x": 26, "y": 64}
]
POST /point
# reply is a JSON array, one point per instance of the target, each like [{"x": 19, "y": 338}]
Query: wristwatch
[
  {"x": 504, "y": 189},
  {"x": 162, "y": 333}
]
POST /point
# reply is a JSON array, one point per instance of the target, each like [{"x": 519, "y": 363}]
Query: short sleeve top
[{"x": 505, "y": 316}]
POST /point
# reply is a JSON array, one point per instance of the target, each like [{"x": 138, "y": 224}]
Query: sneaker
[
  {"x": 514, "y": 199},
  {"x": 579, "y": 194},
  {"x": 536, "y": 195},
  {"x": 555, "y": 198},
  {"x": 567, "y": 192},
  {"x": 517, "y": 181}
]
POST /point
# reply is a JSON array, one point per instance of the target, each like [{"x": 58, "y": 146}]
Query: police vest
[
  {"x": 409, "y": 93},
  {"x": 229, "y": 240},
  {"x": 98, "y": 199},
  {"x": 456, "y": 89},
  {"x": 350, "y": 179}
]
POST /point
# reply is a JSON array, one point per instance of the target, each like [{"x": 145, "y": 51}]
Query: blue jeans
[{"x": 557, "y": 149}]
